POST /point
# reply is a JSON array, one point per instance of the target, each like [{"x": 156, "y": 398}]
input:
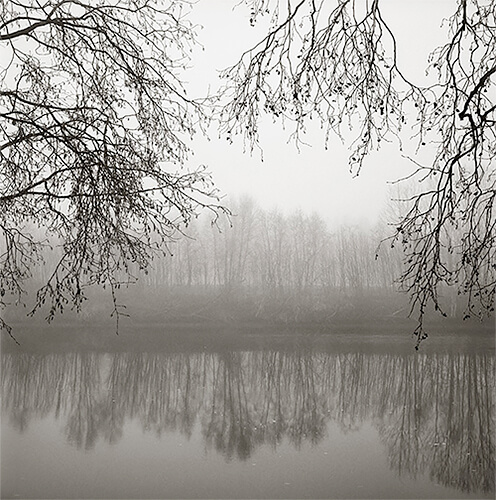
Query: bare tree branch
[
  {"x": 337, "y": 62},
  {"x": 94, "y": 124}
]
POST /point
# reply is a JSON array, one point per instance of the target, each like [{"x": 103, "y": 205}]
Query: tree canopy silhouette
[
  {"x": 337, "y": 62},
  {"x": 94, "y": 121}
]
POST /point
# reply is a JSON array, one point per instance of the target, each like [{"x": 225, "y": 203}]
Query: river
[{"x": 306, "y": 421}]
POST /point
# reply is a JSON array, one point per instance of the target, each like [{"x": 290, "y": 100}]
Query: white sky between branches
[{"x": 314, "y": 180}]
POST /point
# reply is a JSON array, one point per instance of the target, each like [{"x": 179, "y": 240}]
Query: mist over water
[
  {"x": 428, "y": 419},
  {"x": 267, "y": 357},
  {"x": 271, "y": 243}
]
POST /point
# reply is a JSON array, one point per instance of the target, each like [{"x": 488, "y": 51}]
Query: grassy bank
[{"x": 200, "y": 319}]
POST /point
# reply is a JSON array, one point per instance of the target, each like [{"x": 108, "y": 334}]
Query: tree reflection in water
[{"x": 434, "y": 413}]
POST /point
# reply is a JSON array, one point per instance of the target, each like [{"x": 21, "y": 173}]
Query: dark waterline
[{"x": 302, "y": 423}]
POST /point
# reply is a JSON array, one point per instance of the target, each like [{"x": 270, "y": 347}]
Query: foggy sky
[{"x": 313, "y": 179}]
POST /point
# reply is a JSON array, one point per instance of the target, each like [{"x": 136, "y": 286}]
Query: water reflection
[{"x": 434, "y": 413}]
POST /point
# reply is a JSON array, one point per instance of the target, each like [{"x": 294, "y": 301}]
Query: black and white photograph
[{"x": 247, "y": 249}]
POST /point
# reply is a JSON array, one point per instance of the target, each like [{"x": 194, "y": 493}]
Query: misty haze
[{"x": 248, "y": 249}]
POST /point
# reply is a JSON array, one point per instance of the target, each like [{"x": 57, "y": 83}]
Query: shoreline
[{"x": 373, "y": 334}]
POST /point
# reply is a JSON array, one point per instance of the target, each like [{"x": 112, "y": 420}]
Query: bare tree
[
  {"x": 337, "y": 62},
  {"x": 94, "y": 124}
]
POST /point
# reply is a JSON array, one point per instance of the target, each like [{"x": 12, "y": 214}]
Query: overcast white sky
[{"x": 313, "y": 179}]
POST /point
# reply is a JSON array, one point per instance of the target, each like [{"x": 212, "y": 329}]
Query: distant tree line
[
  {"x": 272, "y": 251},
  {"x": 295, "y": 259},
  {"x": 282, "y": 265}
]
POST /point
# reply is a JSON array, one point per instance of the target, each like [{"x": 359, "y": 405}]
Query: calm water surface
[{"x": 301, "y": 423}]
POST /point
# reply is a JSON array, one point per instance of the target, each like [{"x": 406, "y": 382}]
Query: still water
[{"x": 297, "y": 423}]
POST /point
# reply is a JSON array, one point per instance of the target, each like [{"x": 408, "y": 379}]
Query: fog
[
  {"x": 312, "y": 177},
  {"x": 276, "y": 346}
]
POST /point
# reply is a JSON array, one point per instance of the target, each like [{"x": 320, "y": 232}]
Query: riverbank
[
  {"x": 185, "y": 319},
  {"x": 387, "y": 334}
]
